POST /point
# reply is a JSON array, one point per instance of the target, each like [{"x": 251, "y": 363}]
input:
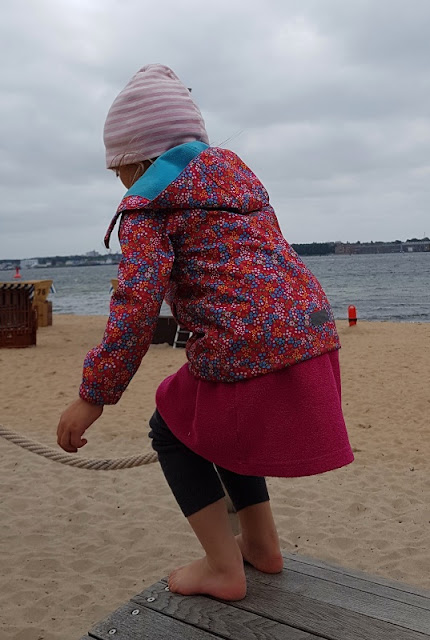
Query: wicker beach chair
[{"x": 18, "y": 319}]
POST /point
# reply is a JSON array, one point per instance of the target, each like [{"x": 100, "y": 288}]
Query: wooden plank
[
  {"x": 309, "y": 600},
  {"x": 382, "y": 603},
  {"x": 325, "y": 620},
  {"x": 122, "y": 624},
  {"x": 355, "y": 573},
  {"x": 219, "y": 618},
  {"x": 362, "y": 582}
]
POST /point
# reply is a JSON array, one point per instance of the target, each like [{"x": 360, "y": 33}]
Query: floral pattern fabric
[{"x": 210, "y": 244}]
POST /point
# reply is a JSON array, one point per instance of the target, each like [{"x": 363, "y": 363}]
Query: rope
[{"x": 72, "y": 461}]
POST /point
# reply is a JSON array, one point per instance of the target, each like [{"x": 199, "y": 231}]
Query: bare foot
[
  {"x": 199, "y": 577},
  {"x": 265, "y": 557}
]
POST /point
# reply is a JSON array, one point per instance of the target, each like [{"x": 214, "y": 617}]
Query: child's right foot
[
  {"x": 199, "y": 577},
  {"x": 265, "y": 557}
]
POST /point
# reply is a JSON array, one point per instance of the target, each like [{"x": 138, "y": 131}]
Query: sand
[{"x": 76, "y": 544}]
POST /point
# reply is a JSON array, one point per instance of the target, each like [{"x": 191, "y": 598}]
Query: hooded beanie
[{"x": 152, "y": 114}]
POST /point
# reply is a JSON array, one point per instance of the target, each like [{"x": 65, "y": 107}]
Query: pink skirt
[{"x": 287, "y": 423}]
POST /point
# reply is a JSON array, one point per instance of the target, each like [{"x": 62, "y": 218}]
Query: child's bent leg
[
  {"x": 198, "y": 491},
  {"x": 220, "y": 573},
  {"x": 258, "y": 540},
  {"x": 192, "y": 480}
]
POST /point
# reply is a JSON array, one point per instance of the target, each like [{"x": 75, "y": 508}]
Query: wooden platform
[{"x": 309, "y": 600}]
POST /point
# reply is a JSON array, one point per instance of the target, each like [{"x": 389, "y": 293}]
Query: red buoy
[
  {"x": 352, "y": 315},
  {"x": 17, "y": 273}
]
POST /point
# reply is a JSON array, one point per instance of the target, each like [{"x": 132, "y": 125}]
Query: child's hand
[{"x": 74, "y": 422}]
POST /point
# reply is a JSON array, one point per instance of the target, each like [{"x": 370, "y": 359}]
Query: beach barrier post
[{"x": 352, "y": 315}]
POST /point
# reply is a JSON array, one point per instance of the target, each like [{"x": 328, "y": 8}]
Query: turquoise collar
[{"x": 165, "y": 170}]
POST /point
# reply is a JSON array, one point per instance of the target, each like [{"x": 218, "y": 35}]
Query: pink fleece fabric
[{"x": 287, "y": 423}]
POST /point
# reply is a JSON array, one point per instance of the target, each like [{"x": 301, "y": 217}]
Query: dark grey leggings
[{"x": 194, "y": 481}]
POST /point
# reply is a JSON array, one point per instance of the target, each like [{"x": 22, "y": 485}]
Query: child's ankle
[
  {"x": 227, "y": 562},
  {"x": 264, "y": 555},
  {"x": 267, "y": 539}
]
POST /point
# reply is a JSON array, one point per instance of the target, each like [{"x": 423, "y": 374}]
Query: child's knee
[{"x": 160, "y": 434}]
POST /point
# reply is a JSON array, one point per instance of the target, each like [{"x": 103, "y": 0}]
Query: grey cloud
[{"x": 326, "y": 101}]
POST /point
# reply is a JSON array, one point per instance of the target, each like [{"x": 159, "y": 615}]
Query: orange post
[
  {"x": 17, "y": 273},
  {"x": 352, "y": 315}
]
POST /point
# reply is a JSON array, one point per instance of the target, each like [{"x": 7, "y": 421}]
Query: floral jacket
[{"x": 197, "y": 229}]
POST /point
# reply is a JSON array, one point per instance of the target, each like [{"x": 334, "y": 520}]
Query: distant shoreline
[
  {"x": 310, "y": 255},
  {"x": 93, "y": 258},
  {"x": 63, "y": 266}
]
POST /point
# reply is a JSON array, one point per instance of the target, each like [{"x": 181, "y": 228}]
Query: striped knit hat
[{"x": 152, "y": 114}]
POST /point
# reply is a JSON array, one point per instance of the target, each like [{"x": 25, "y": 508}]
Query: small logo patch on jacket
[{"x": 319, "y": 317}]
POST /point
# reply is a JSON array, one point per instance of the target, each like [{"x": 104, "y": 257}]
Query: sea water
[{"x": 393, "y": 287}]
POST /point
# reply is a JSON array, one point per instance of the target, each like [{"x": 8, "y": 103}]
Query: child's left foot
[{"x": 199, "y": 577}]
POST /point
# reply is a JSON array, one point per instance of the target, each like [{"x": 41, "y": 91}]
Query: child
[{"x": 260, "y": 394}]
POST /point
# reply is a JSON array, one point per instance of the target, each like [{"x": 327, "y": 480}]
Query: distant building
[
  {"x": 29, "y": 263},
  {"x": 357, "y": 248}
]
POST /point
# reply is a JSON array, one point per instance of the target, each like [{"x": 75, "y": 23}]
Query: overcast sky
[{"x": 328, "y": 101}]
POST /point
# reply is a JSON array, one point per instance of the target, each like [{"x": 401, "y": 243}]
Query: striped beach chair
[{"x": 18, "y": 319}]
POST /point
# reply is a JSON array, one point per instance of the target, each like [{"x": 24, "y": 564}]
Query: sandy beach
[{"x": 76, "y": 544}]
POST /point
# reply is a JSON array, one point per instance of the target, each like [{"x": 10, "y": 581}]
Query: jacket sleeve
[{"x": 143, "y": 277}]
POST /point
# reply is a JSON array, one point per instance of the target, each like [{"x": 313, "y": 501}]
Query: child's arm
[{"x": 143, "y": 277}]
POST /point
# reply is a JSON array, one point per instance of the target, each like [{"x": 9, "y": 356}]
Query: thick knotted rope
[{"x": 73, "y": 461}]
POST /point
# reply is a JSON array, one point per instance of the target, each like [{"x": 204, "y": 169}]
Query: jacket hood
[{"x": 195, "y": 176}]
